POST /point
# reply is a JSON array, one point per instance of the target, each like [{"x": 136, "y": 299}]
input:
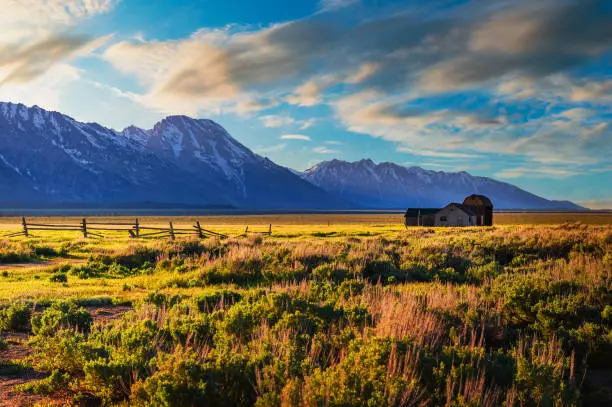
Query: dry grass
[{"x": 332, "y": 315}]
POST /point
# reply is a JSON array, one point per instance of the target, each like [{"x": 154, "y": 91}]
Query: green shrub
[
  {"x": 379, "y": 271},
  {"x": 65, "y": 350},
  {"x": 58, "y": 278},
  {"x": 329, "y": 272},
  {"x": 45, "y": 251},
  {"x": 606, "y": 314},
  {"x": 16, "y": 317},
  {"x": 180, "y": 380},
  {"x": 208, "y": 302},
  {"x": 61, "y": 315},
  {"x": 48, "y": 385}
]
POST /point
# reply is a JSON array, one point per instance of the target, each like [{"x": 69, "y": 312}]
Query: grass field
[{"x": 331, "y": 310}]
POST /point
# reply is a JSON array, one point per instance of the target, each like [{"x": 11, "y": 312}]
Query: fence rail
[
  {"x": 266, "y": 233},
  {"x": 135, "y": 229}
]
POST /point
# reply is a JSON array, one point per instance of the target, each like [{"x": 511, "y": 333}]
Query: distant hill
[{"x": 392, "y": 186}]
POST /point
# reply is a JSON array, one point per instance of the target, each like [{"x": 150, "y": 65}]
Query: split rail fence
[{"x": 134, "y": 229}]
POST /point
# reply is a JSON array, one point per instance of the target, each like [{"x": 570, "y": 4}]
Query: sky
[{"x": 517, "y": 90}]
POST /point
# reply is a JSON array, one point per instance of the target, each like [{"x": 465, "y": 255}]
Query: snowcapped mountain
[
  {"x": 204, "y": 148},
  {"x": 392, "y": 186},
  {"x": 47, "y": 157}
]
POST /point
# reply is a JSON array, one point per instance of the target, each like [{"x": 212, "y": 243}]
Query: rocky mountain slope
[
  {"x": 47, "y": 157},
  {"x": 391, "y": 186}
]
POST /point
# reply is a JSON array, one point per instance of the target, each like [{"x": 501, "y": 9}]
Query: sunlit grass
[{"x": 505, "y": 315}]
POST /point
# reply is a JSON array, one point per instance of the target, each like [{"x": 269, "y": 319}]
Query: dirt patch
[
  {"x": 13, "y": 373},
  {"x": 104, "y": 315},
  {"x": 17, "y": 348}
]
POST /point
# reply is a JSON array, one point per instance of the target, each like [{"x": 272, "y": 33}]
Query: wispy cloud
[
  {"x": 436, "y": 153},
  {"x": 325, "y": 150},
  {"x": 276, "y": 121},
  {"x": 270, "y": 149},
  {"x": 385, "y": 65},
  {"x": 306, "y": 124},
  {"x": 598, "y": 204},
  {"x": 24, "y": 64},
  {"x": 295, "y": 137},
  {"x": 537, "y": 172},
  {"x": 25, "y": 20},
  {"x": 330, "y": 5},
  {"x": 37, "y": 43}
]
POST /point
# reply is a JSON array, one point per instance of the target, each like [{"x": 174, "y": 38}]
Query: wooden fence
[
  {"x": 266, "y": 233},
  {"x": 134, "y": 229}
]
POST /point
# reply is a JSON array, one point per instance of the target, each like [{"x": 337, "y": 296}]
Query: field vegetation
[{"x": 326, "y": 315}]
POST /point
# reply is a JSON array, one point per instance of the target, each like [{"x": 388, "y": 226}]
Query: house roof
[
  {"x": 464, "y": 208},
  {"x": 414, "y": 212}
]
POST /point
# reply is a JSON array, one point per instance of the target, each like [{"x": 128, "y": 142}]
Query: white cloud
[
  {"x": 363, "y": 73},
  {"x": 311, "y": 93},
  {"x": 332, "y": 5},
  {"x": 270, "y": 149},
  {"x": 439, "y": 154},
  {"x": 276, "y": 121},
  {"x": 325, "y": 150},
  {"x": 537, "y": 172},
  {"x": 599, "y": 204},
  {"x": 46, "y": 90},
  {"x": 295, "y": 137},
  {"x": 556, "y": 144},
  {"x": 26, "y": 19},
  {"x": 37, "y": 43},
  {"x": 306, "y": 124}
]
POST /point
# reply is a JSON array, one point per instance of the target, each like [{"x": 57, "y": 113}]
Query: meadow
[{"x": 331, "y": 310}]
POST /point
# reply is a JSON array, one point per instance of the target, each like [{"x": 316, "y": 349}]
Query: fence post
[
  {"x": 270, "y": 230},
  {"x": 246, "y": 231},
  {"x": 84, "y": 228},
  {"x": 199, "y": 229},
  {"x": 172, "y": 231},
  {"x": 25, "y": 226},
  {"x": 137, "y": 228}
]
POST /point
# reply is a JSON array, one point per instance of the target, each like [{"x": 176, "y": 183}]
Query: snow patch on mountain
[
  {"x": 391, "y": 186},
  {"x": 180, "y": 160}
]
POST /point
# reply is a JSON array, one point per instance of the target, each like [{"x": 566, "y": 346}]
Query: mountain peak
[
  {"x": 48, "y": 158},
  {"x": 389, "y": 186}
]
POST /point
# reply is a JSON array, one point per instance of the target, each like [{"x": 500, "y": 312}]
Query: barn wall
[
  {"x": 426, "y": 220},
  {"x": 411, "y": 221},
  {"x": 455, "y": 217}
]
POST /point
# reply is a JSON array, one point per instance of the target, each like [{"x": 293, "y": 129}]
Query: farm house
[{"x": 476, "y": 210}]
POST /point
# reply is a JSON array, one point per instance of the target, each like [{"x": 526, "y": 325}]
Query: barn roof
[
  {"x": 477, "y": 200},
  {"x": 414, "y": 212}
]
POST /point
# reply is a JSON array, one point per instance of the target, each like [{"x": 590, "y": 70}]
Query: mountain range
[
  {"x": 388, "y": 185},
  {"x": 50, "y": 159}
]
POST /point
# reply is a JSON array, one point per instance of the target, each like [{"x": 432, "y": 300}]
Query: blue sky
[{"x": 516, "y": 90}]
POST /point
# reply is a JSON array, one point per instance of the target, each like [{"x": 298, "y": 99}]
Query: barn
[
  {"x": 476, "y": 210},
  {"x": 482, "y": 207},
  {"x": 455, "y": 214}
]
